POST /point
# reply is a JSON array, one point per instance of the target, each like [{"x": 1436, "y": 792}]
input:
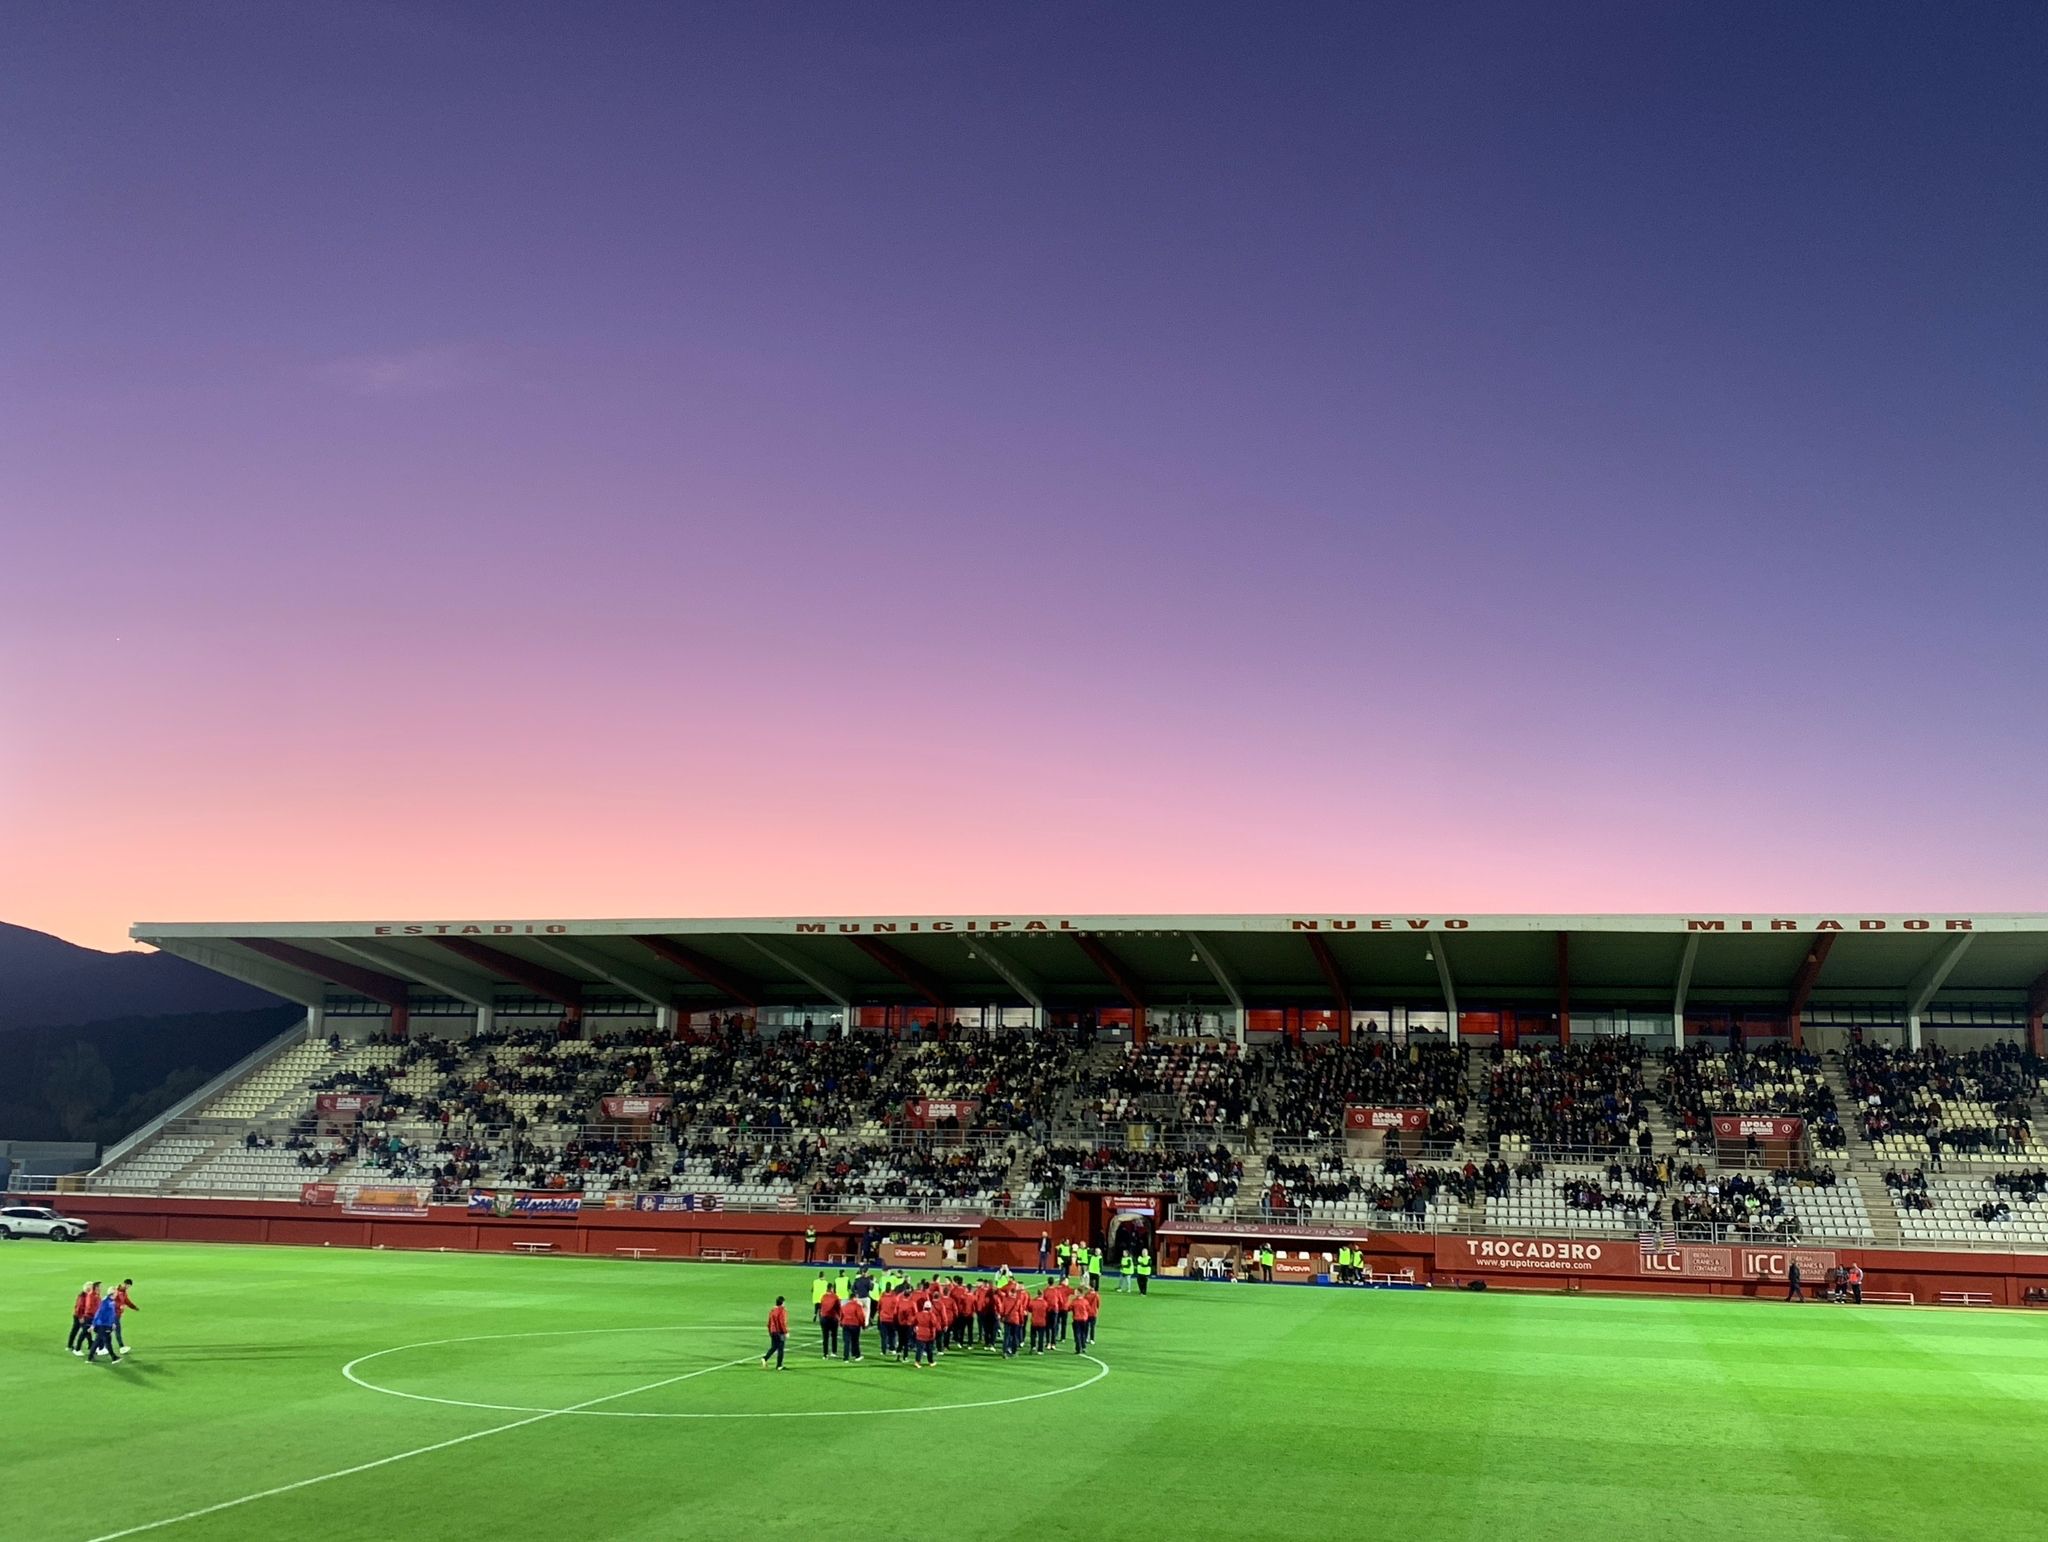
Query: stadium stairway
[
  {"x": 161, "y": 1165},
  {"x": 1254, "y": 1181},
  {"x": 1838, "y": 1084},
  {"x": 1877, "y": 1203},
  {"x": 1018, "y": 1179},
  {"x": 1478, "y": 1075},
  {"x": 1098, "y": 1061}
]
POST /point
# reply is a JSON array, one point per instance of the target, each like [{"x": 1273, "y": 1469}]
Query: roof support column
[
  {"x": 830, "y": 985},
  {"x": 2037, "y": 1007},
  {"x": 1692, "y": 951},
  {"x": 549, "y": 984},
  {"x": 652, "y": 989},
  {"x": 256, "y": 971},
  {"x": 1920, "y": 994},
  {"x": 1114, "y": 971},
  {"x": 933, "y": 990},
  {"x": 387, "y": 990},
  {"x": 1803, "y": 983},
  {"x": 1442, "y": 955},
  {"x": 1564, "y": 988},
  {"x": 447, "y": 978},
  {"x": 1206, "y": 953},
  {"x": 1007, "y": 970},
  {"x": 740, "y": 987},
  {"x": 1340, "y": 993}
]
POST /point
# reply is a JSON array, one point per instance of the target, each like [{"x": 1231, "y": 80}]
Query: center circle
[{"x": 351, "y": 1371}]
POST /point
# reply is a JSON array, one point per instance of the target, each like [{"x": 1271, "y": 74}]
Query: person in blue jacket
[{"x": 104, "y": 1322}]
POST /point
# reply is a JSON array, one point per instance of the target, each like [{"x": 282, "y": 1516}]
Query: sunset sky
[{"x": 589, "y": 459}]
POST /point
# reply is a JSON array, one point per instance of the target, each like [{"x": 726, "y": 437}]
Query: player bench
[
  {"x": 1964, "y": 1298},
  {"x": 726, "y": 1255},
  {"x": 1891, "y": 1297},
  {"x": 533, "y": 1247},
  {"x": 635, "y": 1252}
]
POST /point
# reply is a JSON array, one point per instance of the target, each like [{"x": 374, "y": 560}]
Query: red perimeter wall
[
  {"x": 1440, "y": 1260},
  {"x": 595, "y": 1231}
]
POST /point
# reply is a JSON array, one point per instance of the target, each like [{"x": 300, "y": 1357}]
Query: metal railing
[
  {"x": 1019, "y": 1209},
  {"x": 1013, "y": 1144},
  {"x": 1251, "y": 1217},
  {"x": 1245, "y": 1213}
]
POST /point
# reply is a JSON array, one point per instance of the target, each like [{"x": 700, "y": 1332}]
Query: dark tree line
[{"x": 100, "y": 1081}]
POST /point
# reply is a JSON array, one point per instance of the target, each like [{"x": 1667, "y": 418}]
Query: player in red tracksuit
[
  {"x": 1059, "y": 1300},
  {"x": 123, "y": 1304},
  {"x": 1041, "y": 1315},
  {"x": 984, "y": 1303},
  {"x": 897, "y": 1331},
  {"x": 83, "y": 1306},
  {"x": 828, "y": 1319},
  {"x": 1086, "y": 1306},
  {"x": 1016, "y": 1312},
  {"x": 778, "y": 1334},
  {"x": 853, "y": 1316},
  {"x": 885, "y": 1320},
  {"x": 963, "y": 1314},
  {"x": 925, "y": 1331}
]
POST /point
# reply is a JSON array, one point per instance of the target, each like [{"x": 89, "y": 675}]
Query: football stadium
[
  {"x": 943, "y": 522},
  {"x": 1065, "y": 1226}
]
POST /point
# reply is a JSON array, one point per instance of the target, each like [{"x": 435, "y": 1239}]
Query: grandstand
[{"x": 1003, "y": 1065}]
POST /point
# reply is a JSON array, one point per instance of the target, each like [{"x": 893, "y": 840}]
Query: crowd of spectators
[
  {"x": 1959, "y": 1101},
  {"x": 1591, "y": 1193},
  {"x": 747, "y": 1082},
  {"x": 1585, "y": 1097},
  {"x": 1181, "y": 1083},
  {"x": 1717, "y": 1206},
  {"x": 1014, "y": 1077},
  {"x": 822, "y": 1112},
  {"x": 1908, "y": 1188},
  {"x": 2027, "y": 1185},
  {"x": 1302, "y": 1089},
  {"x": 1395, "y": 1188},
  {"x": 1201, "y": 1177},
  {"x": 1703, "y": 1080},
  {"x": 917, "y": 1176}
]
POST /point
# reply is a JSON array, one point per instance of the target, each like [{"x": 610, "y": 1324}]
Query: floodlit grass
[{"x": 1231, "y": 1411}]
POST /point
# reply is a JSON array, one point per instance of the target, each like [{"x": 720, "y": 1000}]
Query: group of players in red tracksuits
[
  {"x": 96, "y": 1321},
  {"x": 918, "y": 1323}
]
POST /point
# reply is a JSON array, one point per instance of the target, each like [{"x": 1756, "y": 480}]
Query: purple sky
[{"x": 636, "y": 459}]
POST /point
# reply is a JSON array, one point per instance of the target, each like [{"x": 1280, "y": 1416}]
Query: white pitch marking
[
  {"x": 349, "y": 1370},
  {"x": 439, "y": 1445}
]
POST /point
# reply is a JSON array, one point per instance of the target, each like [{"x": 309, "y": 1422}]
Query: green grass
[{"x": 1239, "y": 1411}]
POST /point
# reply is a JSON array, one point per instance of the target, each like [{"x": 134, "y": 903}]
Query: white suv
[{"x": 39, "y": 1221}]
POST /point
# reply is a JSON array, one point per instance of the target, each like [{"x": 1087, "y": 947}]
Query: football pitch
[{"x": 283, "y": 1392}]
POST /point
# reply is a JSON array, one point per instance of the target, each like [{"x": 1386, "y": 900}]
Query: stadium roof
[{"x": 1761, "y": 962}]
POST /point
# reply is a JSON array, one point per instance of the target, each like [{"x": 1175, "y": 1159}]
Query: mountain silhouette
[{"x": 46, "y": 982}]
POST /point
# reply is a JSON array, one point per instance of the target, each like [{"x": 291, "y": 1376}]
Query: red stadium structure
[{"x": 1626, "y": 1102}]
